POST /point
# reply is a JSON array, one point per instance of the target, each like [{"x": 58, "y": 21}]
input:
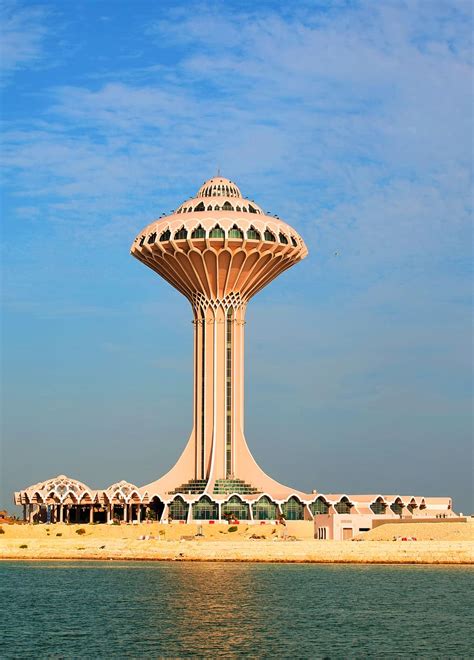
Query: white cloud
[{"x": 22, "y": 30}]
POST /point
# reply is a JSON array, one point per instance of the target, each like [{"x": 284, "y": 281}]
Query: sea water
[{"x": 233, "y": 610}]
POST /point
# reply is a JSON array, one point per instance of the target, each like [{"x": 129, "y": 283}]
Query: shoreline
[{"x": 437, "y": 544}]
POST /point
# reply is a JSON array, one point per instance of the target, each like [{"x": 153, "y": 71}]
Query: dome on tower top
[{"x": 218, "y": 186}]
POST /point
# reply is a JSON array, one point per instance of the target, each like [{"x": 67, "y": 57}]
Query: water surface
[{"x": 233, "y": 610}]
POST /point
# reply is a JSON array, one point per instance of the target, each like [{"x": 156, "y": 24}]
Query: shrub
[
  {"x": 23, "y": 546},
  {"x": 80, "y": 531},
  {"x": 2, "y": 531},
  {"x": 59, "y": 534},
  {"x": 233, "y": 528}
]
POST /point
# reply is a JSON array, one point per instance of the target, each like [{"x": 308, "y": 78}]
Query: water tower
[{"x": 218, "y": 249}]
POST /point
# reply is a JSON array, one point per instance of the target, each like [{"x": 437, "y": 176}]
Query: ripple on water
[{"x": 232, "y": 610}]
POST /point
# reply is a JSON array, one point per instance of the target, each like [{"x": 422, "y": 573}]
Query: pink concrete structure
[{"x": 218, "y": 249}]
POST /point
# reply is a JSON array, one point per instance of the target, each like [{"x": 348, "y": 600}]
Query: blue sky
[{"x": 350, "y": 120}]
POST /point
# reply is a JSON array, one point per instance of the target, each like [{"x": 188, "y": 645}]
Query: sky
[{"x": 350, "y": 120}]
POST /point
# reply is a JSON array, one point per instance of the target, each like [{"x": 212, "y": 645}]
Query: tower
[{"x": 218, "y": 249}]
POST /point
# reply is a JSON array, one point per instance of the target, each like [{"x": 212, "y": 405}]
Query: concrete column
[
  {"x": 91, "y": 514},
  {"x": 30, "y": 513},
  {"x": 24, "y": 512},
  {"x": 139, "y": 513},
  {"x": 61, "y": 513}
]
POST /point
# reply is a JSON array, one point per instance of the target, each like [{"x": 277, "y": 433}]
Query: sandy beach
[{"x": 436, "y": 543}]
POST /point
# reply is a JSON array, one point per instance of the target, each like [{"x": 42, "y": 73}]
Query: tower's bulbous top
[
  {"x": 218, "y": 186},
  {"x": 219, "y": 244}
]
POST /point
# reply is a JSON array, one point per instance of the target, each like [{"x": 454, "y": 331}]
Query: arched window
[
  {"x": 397, "y": 507},
  {"x": 142, "y": 240},
  {"x": 151, "y": 238},
  {"x": 178, "y": 509},
  {"x": 235, "y": 232},
  {"x": 205, "y": 509},
  {"x": 199, "y": 232},
  {"x": 293, "y": 241},
  {"x": 319, "y": 506},
  {"x": 200, "y": 207},
  {"x": 217, "y": 207},
  {"x": 209, "y": 208},
  {"x": 253, "y": 234},
  {"x": 244, "y": 209},
  {"x": 251, "y": 209},
  {"x": 293, "y": 509},
  {"x": 237, "y": 208},
  {"x": 181, "y": 234},
  {"x": 179, "y": 211},
  {"x": 165, "y": 236},
  {"x": 217, "y": 232},
  {"x": 268, "y": 236},
  {"x": 378, "y": 507},
  {"x": 227, "y": 206},
  {"x": 227, "y": 190},
  {"x": 412, "y": 506},
  {"x": 343, "y": 506},
  {"x": 264, "y": 509},
  {"x": 283, "y": 239},
  {"x": 236, "y": 508},
  {"x": 155, "y": 507}
]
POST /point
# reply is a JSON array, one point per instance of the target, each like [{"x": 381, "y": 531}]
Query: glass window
[
  {"x": 181, "y": 234},
  {"x": 235, "y": 232},
  {"x": 178, "y": 509},
  {"x": 343, "y": 506},
  {"x": 264, "y": 509},
  {"x": 397, "y": 507},
  {"x": 227, "y": 206},
  {"x": 200, "y": 207},
  {"x": 268, "y": 236},
  {"x": 283, "y": 239},
  {"x": 293, "y": 241},
  {"x": 293, "y": 509},
  {"x": 319, "y": 506},
  {"x": 217, "y": 232},
  {"x": 165, "y": 236},
  {"x": 253, "y": 234},
  {"x": 199, "y": 232},
  {"x": 378, "y": 507},
  {"x": 251, "y": 209},
  {"x": 205, "y": 509},
  {"x": 236, "y": 508}
]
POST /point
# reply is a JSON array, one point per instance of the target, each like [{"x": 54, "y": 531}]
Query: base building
[{"x": 218, "y": 249}]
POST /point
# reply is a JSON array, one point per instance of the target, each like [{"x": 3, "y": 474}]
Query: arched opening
[
  {"x": 319, "y": 506},
  {"x": 209, "y": 208},
  {"x": 251, "y": 209},
  {"x": 293, "y": 509},
  {"x": 217, "y": 207},
  {"x": 253, "y": 234},
  {"x": 397, "y": 507},
  {"x": 268, "y": 236},
  {"x": 264, "y": 509},
  {"x": 198, "y": 232},
  {"x": 412, "y": 506},
  {"x": 181, "y": 234},
  {"x": 235, "y": 508},
  {"x": 293, "y": 241},
  {"x": 151, "y": 238},
  {"x": 200, "y": 207},
  {"x": 235, "y": 232},
  {"x": 227, "y": 206},
  {"x": 216, "y": 232},
  {"x": 237, "y": 208},
  {"x": 283, "y": 239},
  {"x": 142, "y": 240},
  {"x": 378, "y": 507},
  {"x": 244, "y": 209},
  {"x": 165, "y": 236},
  {"x": 178, "y": 509},
  {"x": 155, "y": 509},
  {"x": 343, "y": 506},
  {"x": 205, "y": 509}
]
